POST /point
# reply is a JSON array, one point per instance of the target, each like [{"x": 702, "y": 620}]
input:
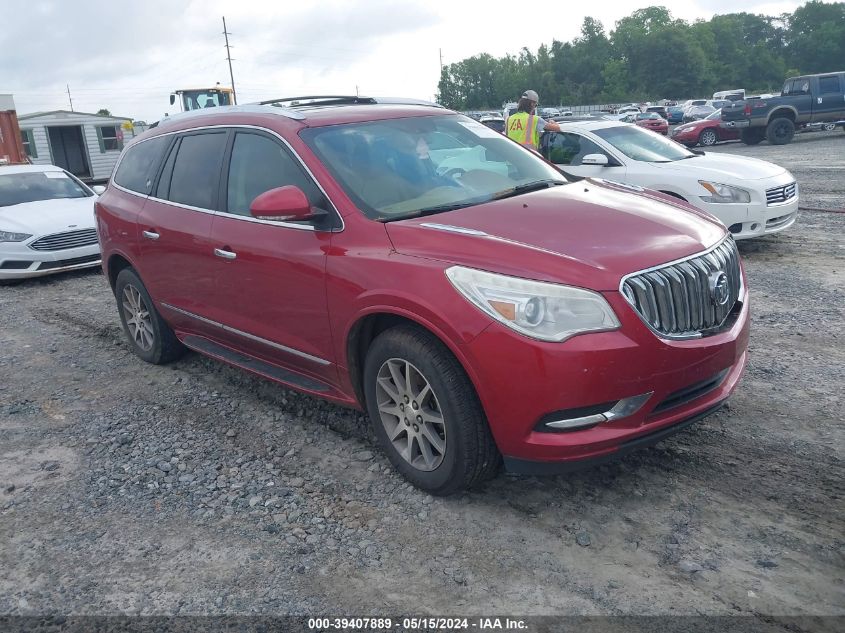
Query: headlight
[
  {"x": 8, "y": 236},
  {"x": 544, "y": 311},
  {"x": 724, "y": 193}
]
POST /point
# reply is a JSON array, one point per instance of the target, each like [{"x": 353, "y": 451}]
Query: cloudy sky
[{"x": 129, "y": 56}]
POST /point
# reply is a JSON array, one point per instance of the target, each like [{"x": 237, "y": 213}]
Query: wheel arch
[
  {"x": 116, "y": 263},
  {"x": 785, "y": 112},
  {"x": 368, "y": 326}
]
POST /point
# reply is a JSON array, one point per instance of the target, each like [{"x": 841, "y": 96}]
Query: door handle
[
  {"x": 225, "y": 254},
  {"x": 150, "y": 235}
]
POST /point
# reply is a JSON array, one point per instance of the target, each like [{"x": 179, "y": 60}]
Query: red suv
[{"x": 411, "y": 262}]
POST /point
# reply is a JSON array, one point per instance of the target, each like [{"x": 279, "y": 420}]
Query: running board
[{"x": 268, "y": 370}]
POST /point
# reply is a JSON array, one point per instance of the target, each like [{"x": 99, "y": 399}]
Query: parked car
[
  {"x": 686, "y": 105},
  {"x": 548, "y": 113},
  {"x": 333, "y": 247},
  {"x": 493, "y": 122},
  {"x": 632, "y": 109},
  {"x": 652, "y": 121},
  {"x": 805, "y": 99},
  {"x": 46, "y": 222},
  {"x": 707, "y": 131},
  {"x": 661, "y": 110},
  {"x": 751, "y": 197},
  {"x": 696, "y": 113},
  {"x": 675, "y": 114}
]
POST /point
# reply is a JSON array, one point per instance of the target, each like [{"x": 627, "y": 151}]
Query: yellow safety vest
[{"x": 522, "y": 128}]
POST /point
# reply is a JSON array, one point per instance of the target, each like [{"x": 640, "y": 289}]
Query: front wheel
[
  {"x": 150, "y": 337},
  {"x": 426, "y": 414},
  {"x": 708, "y": 137}
]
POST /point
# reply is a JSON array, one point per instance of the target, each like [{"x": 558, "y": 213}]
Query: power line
[{"x": 68, "y": 97}]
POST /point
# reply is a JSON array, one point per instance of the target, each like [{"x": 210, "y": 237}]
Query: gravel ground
[{"x": 198, "y": 489}]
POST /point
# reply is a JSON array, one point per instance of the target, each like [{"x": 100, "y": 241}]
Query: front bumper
[
  {"x": 521, "y": 382},
  {"x": 17, "y": 261},
  {"x": 757, "y": 218}
]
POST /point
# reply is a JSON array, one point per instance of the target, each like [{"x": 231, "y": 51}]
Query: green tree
[
  {"x": 103, "y": 112},
  {"x": 816, "y": 37}
]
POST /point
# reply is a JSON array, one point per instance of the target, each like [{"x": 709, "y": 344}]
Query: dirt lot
[{"x": 195, "y": 488}]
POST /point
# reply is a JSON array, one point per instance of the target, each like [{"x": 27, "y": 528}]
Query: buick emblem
[{"x": 720, "y": 292}]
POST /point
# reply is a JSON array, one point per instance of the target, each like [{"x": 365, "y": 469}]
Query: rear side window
[
  {"x": 139, "y": 163},
  {"x": 259, "y": 164},
  {"x": 829, "y": 85},
  {"x": 196, "y": 170}
]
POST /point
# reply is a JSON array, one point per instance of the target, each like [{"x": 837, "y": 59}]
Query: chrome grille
[
  {"x": 64, "y": 241},
  {"x": 677, "y": 300},
  {"x": 777, "y": 195}
]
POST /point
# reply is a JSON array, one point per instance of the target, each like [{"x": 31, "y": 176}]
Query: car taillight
[{"x": 747, "y": 109}]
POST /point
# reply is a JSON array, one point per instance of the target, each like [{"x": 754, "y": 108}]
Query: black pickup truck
[{"x": 803, "y": 100}]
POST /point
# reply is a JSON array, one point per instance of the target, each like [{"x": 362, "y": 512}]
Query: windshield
[
  {"x": 714, "y": 116},
  {"x": 398, "y": 168},
  {"x": 648, "y": 115},
  {"x": 643, "y": 145},
  {"x": 198, "y": 99},
  {"x": 38, "y": 185}
]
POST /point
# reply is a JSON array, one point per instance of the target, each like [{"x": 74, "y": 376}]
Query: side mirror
[
  {"x": 172, "y": 99},
  {"x": 283, "y": 204},
  {"x": 98, "y": 189},
  {"x": 600, "y": 160}
]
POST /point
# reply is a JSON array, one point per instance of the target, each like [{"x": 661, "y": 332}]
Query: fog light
[{"x": 622, "y": 409}]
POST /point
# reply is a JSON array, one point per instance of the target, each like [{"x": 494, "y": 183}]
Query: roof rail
[
  {"x": 247, "y": 108},
  {"x": 320, "y": 100}
]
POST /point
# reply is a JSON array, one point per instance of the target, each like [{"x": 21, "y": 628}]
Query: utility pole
[
  {"x": 229, "y": 58},
  {"x": 441, "y": 60},
  {"x": 68, "y": 97}
]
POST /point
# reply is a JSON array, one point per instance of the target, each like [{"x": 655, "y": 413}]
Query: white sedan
[
  {"x": 750, "y": 196},
  {"x": 46, "y": 222}
]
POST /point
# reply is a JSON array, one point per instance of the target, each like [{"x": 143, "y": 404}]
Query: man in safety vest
[{"x": 524, "y": 126}]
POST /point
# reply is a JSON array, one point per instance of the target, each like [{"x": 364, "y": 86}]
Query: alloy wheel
[
  {"x": 410, "y": 414},
  {"x": 708, "y": 137},
  {"x": 138, "y": 318}
]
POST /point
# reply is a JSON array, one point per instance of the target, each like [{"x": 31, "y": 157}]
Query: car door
[
  {"x": 828, "y": 98},
  {"x": 270, "y": 276},
  {"x": 177, "y": 257},
  {"x": 568, "y": 149}
]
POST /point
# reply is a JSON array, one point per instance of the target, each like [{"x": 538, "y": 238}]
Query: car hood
[
  {"x": 588, "y": 234},
  {"x": 724, "y": 168},
  {"x": 49, "y": 216}
]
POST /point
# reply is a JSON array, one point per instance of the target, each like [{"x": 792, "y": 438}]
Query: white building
[{"x": 86, "y": 145}]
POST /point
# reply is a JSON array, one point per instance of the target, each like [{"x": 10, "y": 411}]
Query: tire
[
  {"x": 154, "y": 342},
  {"x": 752, "y": 136},
  {"x": 708, "y": 137},
  {"x": 466, "y": 453},
  {"x": 780, "y": 131}
]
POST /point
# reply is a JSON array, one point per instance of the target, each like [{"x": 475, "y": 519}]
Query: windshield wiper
[
  {"x": 441, "y": 208},
  {"x": 526, "y": 188}
]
